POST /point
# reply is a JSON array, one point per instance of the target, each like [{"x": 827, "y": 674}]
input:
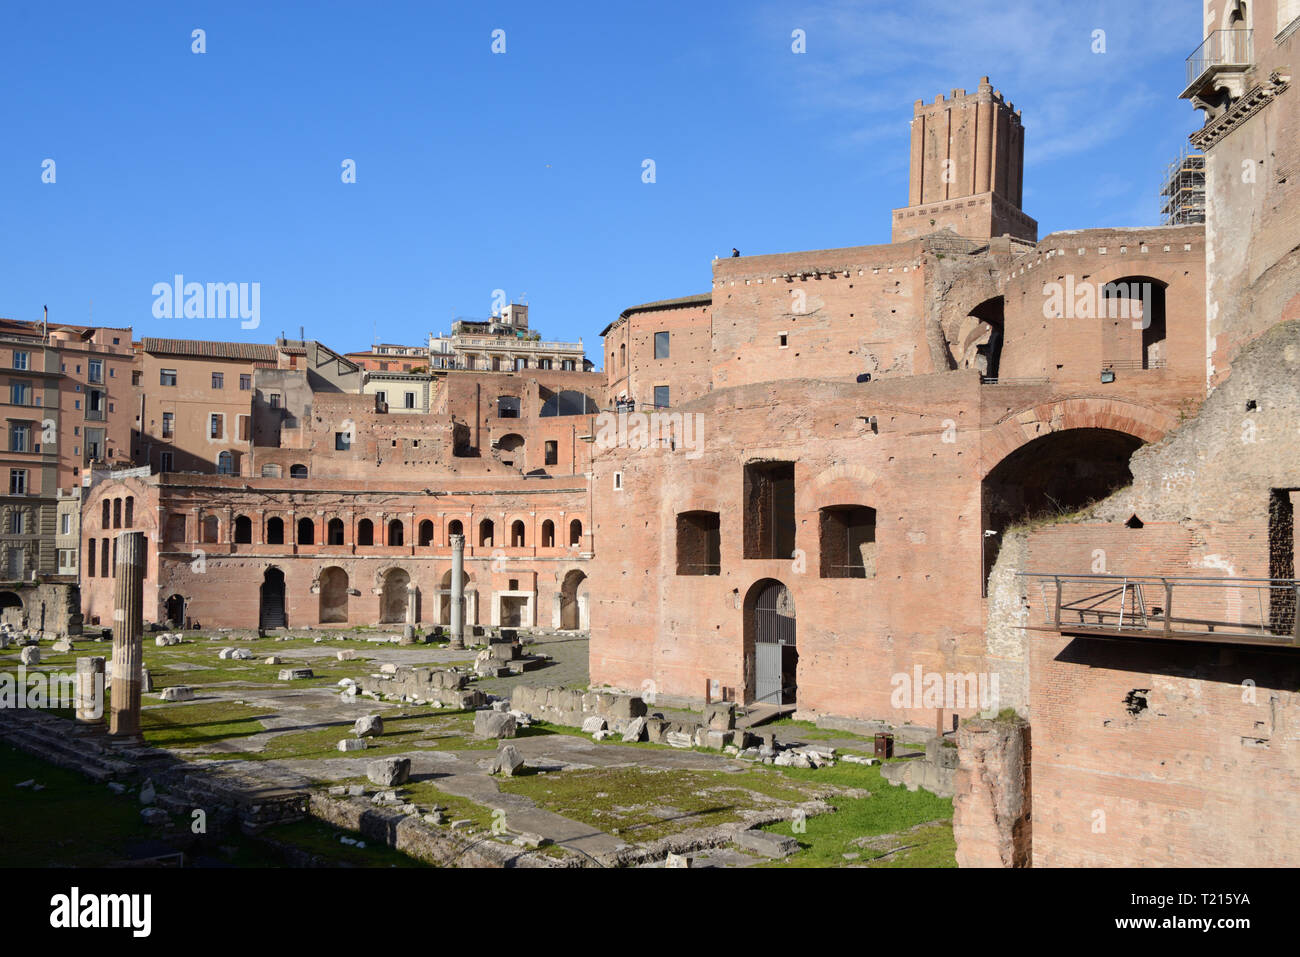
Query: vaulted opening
[
  {"x": 769, "y": 510},
  {"x": 847, "y": 541},
  {"x": 699, "y": 543}
]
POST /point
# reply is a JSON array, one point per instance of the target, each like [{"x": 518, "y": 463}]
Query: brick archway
[{"x": 1086, "y": 412}]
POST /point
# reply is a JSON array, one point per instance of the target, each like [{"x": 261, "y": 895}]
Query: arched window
[
  {"x": 485, "y": 530},
  {"x": 334, "y": 531},
  {"x": 454, "y": 527},
  {"x": 548, "y": 534},
  {"x": 517, "y": 536},
  {"x": 243, "y": 530},
  {"x": 130, "y": 511},
  {"x": 297, "y": 471},
  {"x": 426, "y": 533},
  {"x": 275, "y": 531},
  {"x": 306, "y": 531},
  {"x": 396, "y": 532},
  {"x": 575, "y": 532},
  {"x": 365, "y": 532},
  {"x": 225, "y": 464},
  {"x": 847, "y": 541},
  {"x": 117, "y": 513},
  {"x": 106, "y": 519}
]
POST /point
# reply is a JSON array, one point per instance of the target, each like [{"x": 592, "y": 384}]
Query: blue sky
[{"x": 522, "y": 171}]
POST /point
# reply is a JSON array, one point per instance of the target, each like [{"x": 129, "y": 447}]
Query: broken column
[
  {"x": 991, "y": 804},
  {"x": 89, "y": 691},
  {"x": 408, "y": 630},
  {"x": 457, "y": 592},
  {"x": 128, "y": 627}
]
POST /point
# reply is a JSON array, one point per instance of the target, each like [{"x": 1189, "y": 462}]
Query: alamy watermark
[
  {"x": 39, "y": 690},
  {"x": 179, "y": 299},
  {"x": 1094, "y": 300},
  {"x": 676, "y": 431},
  {"x": 951, "y": 690}
]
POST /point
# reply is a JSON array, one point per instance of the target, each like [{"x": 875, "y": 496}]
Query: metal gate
[
  {"x": 272, "y": 615},
  {"x": 774, "y": 654}
]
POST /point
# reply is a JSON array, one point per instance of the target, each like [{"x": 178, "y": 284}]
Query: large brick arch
[
  {"x": 1083, "y": 412},
  {"x": 847, "y": 484}
]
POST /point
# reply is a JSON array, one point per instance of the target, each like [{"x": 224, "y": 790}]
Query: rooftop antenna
[{"x": 302, "y": 336}]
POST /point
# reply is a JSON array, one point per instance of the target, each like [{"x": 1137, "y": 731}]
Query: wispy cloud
[{"x": 874, "y": 61}]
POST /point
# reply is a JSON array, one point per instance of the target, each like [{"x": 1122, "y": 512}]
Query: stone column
[
  {"x": 408, "y": 630},
  {"x": 89, "y": 694},
  {"x": 128, "y": 626},
  {"x": 457, "y": 592}
]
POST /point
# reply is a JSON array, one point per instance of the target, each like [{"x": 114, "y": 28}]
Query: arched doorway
[
  {"x": 333, "y": 596},
  {"x": 573, "y": 601},
  {"x": 176, "y": 611},
  {"x": 11, "y": 609},
  {"x": 392, "y": 600},
  {"x": 771, "y": 660},
  {"x": 273, "y": 614}
]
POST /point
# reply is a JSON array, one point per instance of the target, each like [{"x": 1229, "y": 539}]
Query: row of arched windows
[
  {"x": 101, "y": 554},
  {"x": 365, "y": 536},
  {"x": 118, "y": 512}
]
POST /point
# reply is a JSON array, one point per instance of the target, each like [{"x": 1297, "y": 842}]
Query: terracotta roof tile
[{"x": 249, "y": 351}]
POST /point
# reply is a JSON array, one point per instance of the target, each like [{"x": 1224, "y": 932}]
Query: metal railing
[
  {"x": 1221, "y": 48},
  {"x": 1262, "y": 610},
  {"x": 699, "y": 568}
]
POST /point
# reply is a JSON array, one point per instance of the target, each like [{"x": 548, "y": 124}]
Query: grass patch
[
  {"x": 403, "y": 730},
  {"x": 894, "y": 827},
  {"x": 322, "y": 840},
  {"x": 625, "y": 799},
  {"x": 71, "y": 823},
  {"x": 191, "y": 725}
]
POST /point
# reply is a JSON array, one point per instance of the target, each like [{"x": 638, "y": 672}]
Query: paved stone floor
[{"x": 286, "y": 708}]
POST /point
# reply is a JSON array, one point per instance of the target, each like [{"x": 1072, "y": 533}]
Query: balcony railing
[
  {"x": 1253, "y": 611},
  {"x": 1222, "y": 49},
  {"x": 506, "y": 344}
]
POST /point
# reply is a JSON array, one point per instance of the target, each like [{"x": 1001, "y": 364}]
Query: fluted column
[
  {"x": 128, "y": 626},
  {"x": 90, "y": 691}
]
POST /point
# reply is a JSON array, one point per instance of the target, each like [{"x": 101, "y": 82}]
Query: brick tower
[{"x": 968, "y": 157}]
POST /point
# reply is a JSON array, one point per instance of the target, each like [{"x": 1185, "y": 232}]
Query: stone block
[
  {"x": 370, "y": 726},
  {"x": 508, "y": 761},
  {"x": 353, "y": 744},
  {"x": 594, "y": 723},
  {"x": 31, "y": 655},
  {"x": 769, "y": 845},
  {"x": 720, "y": 716},
  {"x": 494, "y": 724},
  {"x": 716, "y": 739},
  {"x": 178, "y": 693},
  {"x": 635, "y": 730},
  {"x": 388, "y": 772}
]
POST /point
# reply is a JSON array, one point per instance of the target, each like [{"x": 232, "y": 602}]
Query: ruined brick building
[
  {"x": 872, "y": 420},
  {"x": 972, "y": 453},
  {"x": 336, "y": 508}
]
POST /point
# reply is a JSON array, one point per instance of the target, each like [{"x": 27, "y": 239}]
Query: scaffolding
[{"x": 1182, "y": 193}]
